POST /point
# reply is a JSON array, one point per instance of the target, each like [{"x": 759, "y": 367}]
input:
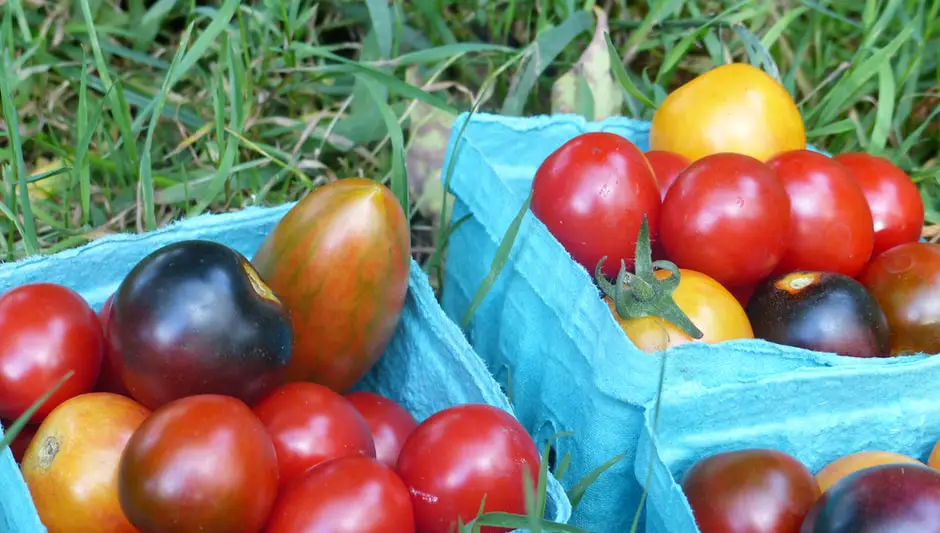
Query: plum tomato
[
  {"x": 727, "y": 216},
  {"x": 346, "y": 495},
  {"x": 309, "y": 424},
  {"x": 666, "y": 167},
  {"x": 201, "y": 464},
  {"x": 109, "y": 380},
  {"x": 896, "y": 498},
  {"x": 830, "y": 474},
  {"x": 822, "y": 311},
  {"x": 72, "y": 463},
  {"x": 895, "y": 203},
  {"x": 750, "y": 491},
  {"x": 21, "y": 440},
  {"x": 458, "y": 455},
  {"x": 906, "y": 282},
  {"x": 194, "y": 317},
  {"x": 709, "y": 306},
  {"x": 831, "y": 226},
  {"x": 47, "y": 331},
  {"x": 391, "y": 424},
  {"x": 591, "y": 193}
]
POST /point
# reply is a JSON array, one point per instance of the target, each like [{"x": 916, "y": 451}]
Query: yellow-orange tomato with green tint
[
  {"x": 830, "y": 474},
  {"x": 734, "y": 108},
  {"x": 710, "y": 306},
  {"x": 934, "y": 460}
]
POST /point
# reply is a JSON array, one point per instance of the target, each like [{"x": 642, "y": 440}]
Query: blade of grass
[
  {"x": 616, "y": 64},
  {"x": 381, "y": 17},
  {"x": 399, "y": 184},
  {"x": 776, "y": 31},
  {"x": 885, "y": 112}
]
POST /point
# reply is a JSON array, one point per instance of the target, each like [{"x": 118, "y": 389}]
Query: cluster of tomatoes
[
  {"x": 192, "y": 403},
  {"x": 769, "y": 239},
  {"x": 769, "y": 491}
]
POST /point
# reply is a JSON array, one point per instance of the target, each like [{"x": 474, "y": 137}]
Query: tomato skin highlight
[
  {"x": 831, "y": 226},
  {"x": 390, "y": 423},
  {"x": 666, "y": 167},
  {"x": 591, "y": 193},
  {"x": 200, "y": 464},
  {"x": 46, "y": 331},
  {"x": 346, "y": 495},
  {"x": 340, "y": 261},
  {"x": 727, "y": 216},
  {"x": 894, "y": 200}
]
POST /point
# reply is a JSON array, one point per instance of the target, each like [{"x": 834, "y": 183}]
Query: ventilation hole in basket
[
  {"x": 549, "y": 432},
  {"x": 504, "y": 379}
]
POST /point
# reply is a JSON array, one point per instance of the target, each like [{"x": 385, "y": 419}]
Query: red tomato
[
  {"x": 347, "y": 495},
  {"x": 896, "y": 206},
  {"x": 391, "y": 424},
  {"x": 750, "y": 491},
  {"x": 592, "y": 193},
  {"x": 830, "y": 222},
  {"x": 726, "y": 216},
  {"x": 199, "y": 464},
  {"x": 666, "y": 167},
  {"x": 309, "y": 424},
  {"x": 460, "y": 454},
  {"x": 109, "y": 380},
  {"x": 47, "y": 330}
]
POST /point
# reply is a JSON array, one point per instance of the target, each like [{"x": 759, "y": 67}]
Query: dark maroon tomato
[
  {"x": 750, "y": 491},
  {"x": 346, "y": 495},
  {"x": 830, "y": 221},
  {"x": 193, "y": 318},
  {"x": 666, "y": 166},
  {"x": 592, "y": 193},
  {"x": 894, "y": 498},
  {"x": 822, "y": 311},
  {"x": 391, "y": 424},
  {"x": 21, "y": 440}
]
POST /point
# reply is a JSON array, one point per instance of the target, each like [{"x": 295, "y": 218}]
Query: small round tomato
[
  {"x": 749, "y": 491},
  {"x": 72, "y": 463},
  {"x": 347, "y": 495},
  {"x": 726, "y": 216},
  {"x": 934, "y": 460},
  {"x": 391, "y": 424},
  {"x": 849, "y": 464},
  {"x": 830, "y": 221},
  {"x": 666, "y": 167},
  {"x": 592, "y": 193},
  {"x": 461, "y": 454},
  {"x": 895, "y": 203},
  {"x": 47, "y": 330},
  {"x": 201, "y": 464},
  {"x": 906, "y": 282},
  {"x": 711, "y": 307},
  {"x": 109, "y": 380},
  {"x": 309, "y": 424}
]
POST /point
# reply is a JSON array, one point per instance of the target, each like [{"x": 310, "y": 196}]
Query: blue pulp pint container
[
  {"x": 427, "y": 366},
  {"x": 546, "y": 334},
  {"x": 815, "y": 414}
]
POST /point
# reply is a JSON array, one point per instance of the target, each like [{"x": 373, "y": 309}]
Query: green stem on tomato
[{"x": 639, "y": 294}]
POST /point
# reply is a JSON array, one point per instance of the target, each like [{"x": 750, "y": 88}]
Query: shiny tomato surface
[
  {"x": 391, "y": 424},
  {"x": 666, "y": 168}
]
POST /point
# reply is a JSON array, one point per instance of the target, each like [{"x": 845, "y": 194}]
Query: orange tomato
[
  {"x": 849, "y": 464},
  {"x": 732, "y": 108},
  {"x": 710, "y": 306},
  {"x": 934, "y": 460},
  {"x": 71, "y": 465}
]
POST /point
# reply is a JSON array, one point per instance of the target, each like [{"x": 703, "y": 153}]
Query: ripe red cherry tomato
[
  {"x": 896, "y": 206},
  {"x": 461, "y": 453},
  {"x": 46, "y": 330},
  {"x": 728, "y": 216},
  {"x": 109, "y": 380},
  {"x": 347, "y": 495},
  {"x": 391, "y": 424},
  {"x": 199, "y": 464},
  {"x": 592, "y": 194},
  {"x": 750, "y": 491},
  {"x": 666, "y": 166},
  {"x": 309, "y": 424},
  {"x": 830, "y": 222}
]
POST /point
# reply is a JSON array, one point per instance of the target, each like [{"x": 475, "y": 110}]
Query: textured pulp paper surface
[
  {"x": 817, "y": 415},
  {"x": 544, "y": 328},
  {"x": 427, "y": 366}
]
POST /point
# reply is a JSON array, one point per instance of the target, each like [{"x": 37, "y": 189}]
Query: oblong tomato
[{"x": 339, "y": 260}]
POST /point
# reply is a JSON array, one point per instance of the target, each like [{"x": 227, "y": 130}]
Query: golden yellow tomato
[
  {"x": 732, "y": 108},
  {"x": 843, "y": 466},
  {"x": 710, "y": 306},
  {"x": 934, "y": 460}
]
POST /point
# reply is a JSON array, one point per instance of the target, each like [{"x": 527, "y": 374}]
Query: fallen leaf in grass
[
  {"x": 50, "y": 186},
  {"x": 429, "y": 131}
]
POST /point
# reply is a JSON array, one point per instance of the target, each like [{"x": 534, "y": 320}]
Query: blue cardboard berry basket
[
  {"x": 544, "y": 330},
  {"x": 427, "y": 366}
]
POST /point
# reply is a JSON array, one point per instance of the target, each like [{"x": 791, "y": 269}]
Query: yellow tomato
[
  {"x": 934, "y": 460},
  {"x": 732, "y": 108},
  {"x": 843, "y": 466},
  {"x": 710, "y": 306}
]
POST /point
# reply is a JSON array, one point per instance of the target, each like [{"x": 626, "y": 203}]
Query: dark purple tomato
[
  {"x": 894, "y": 498},
  {"x": 822, "y": 311}
]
